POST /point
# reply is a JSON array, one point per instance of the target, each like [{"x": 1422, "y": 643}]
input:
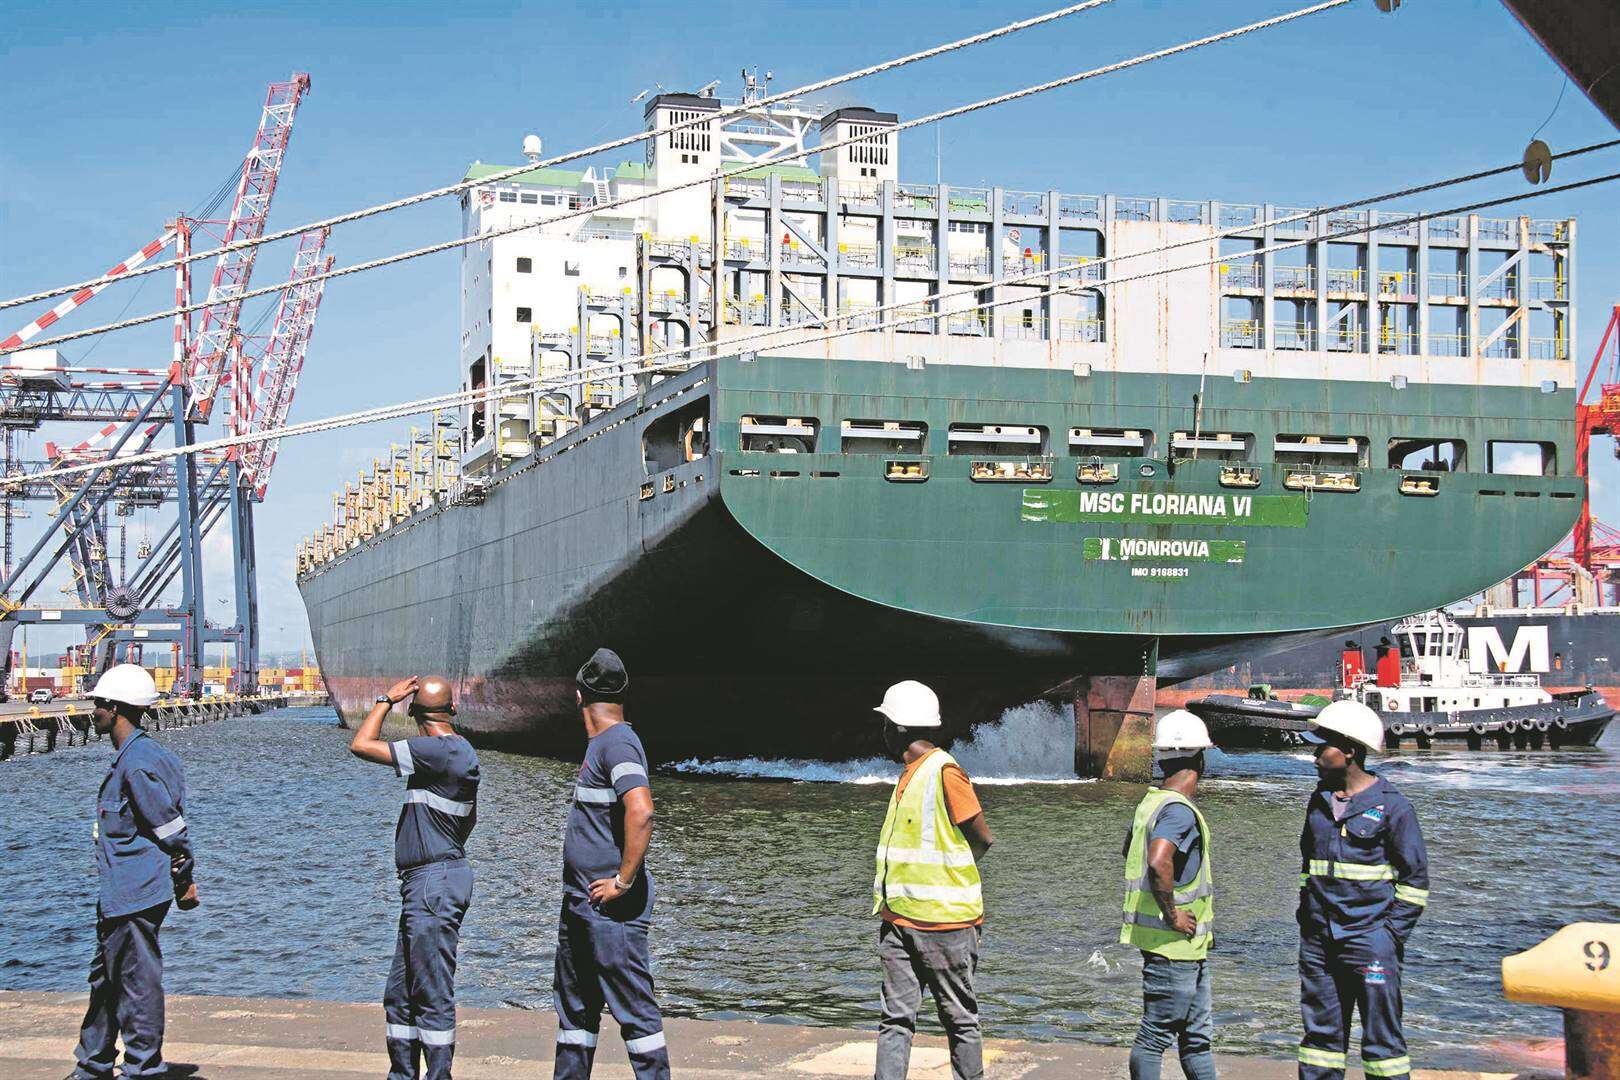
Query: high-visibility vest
[
  {"x": 925, "y": 868},
  {"x": 1145, "y": 926}
]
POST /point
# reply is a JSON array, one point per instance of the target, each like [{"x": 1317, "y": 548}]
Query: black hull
[{"x": 1569, "y": 720}]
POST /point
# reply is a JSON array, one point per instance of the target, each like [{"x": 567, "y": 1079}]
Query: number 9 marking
[{"x": 1597, "y": 955}]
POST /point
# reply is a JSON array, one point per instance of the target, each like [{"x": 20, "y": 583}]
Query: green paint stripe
[{"x": 1158, "y": 507}]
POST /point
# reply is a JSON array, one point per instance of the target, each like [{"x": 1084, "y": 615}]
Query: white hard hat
[
  {"x": 910, "y": 704},
  {"x": 128, "y": 683},
  {"x": 1351, "y": 719},
  {"x": 1180, "y": 730}
]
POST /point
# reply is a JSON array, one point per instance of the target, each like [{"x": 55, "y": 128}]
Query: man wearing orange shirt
[{"x": 927, "y": 890}]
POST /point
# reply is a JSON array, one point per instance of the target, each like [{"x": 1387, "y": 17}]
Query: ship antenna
[{"x": 1198, "y": 405}]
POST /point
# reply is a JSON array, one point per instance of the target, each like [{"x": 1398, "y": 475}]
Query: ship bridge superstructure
[{"x": 1077, "y": 281}]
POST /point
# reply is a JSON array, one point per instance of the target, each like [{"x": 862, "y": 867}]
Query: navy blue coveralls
[
  {"x": 1364, "y": 880},
  {"x": 435, "y": 887},
  {"x": 144, "y": 856},
  {"x": 602, "y": 955}
]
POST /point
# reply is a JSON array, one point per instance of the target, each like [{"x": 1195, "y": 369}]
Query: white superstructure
[{"x": 1465, "y": 300}]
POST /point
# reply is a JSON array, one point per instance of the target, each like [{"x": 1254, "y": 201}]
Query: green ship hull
[{"x": 763, "y": 599}]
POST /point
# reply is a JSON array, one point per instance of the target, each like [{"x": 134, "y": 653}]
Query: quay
[
  {"x": 38, "y": 729},
  {"x": 267, "y": 1038}
]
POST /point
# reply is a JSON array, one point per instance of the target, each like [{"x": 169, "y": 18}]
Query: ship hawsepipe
[{"x": 763, "y": 599}]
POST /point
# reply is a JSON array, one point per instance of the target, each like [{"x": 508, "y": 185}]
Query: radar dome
[{"x": 531, "y": 147}]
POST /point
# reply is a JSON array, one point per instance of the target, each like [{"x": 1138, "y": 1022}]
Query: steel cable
[
  {"x": 961, "y": 110},
  {"x": 427, "y": 405},
  {"x": 641, "y": 136}
]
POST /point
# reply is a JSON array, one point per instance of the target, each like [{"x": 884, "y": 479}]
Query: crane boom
[{"x": 217, "y": 330}]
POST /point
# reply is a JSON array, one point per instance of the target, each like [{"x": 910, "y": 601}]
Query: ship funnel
[{"x": 531, "y": 147}]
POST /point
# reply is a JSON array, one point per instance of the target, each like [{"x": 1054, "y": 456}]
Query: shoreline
[{"x": 267, "y": 1038}]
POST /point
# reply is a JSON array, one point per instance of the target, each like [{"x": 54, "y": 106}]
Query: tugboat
[{"x": 1427, "y": 690}]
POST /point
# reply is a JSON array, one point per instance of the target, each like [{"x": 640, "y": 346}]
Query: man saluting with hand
[{"x": 435, "y": 883}]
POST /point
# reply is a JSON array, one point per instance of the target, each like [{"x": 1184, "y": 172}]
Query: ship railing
[
  {"x": 1241, "y": 334},
  {"x": 1399, "y": 283},
  {"x": 1502, "y": 230},
  {"x": 1448, "y": 344},
  {"x": 917, "y": 196},
  {"x": 1448, "y": 228},
  {"x": 1547, "y": 348},
  {"x": 1027, "y": 327},
  {"x": 968, "y": 325},
  {"x": 1133, "y": 208},
  {"x": 1347, "y": 220},
  {"x": 1023, "y": 203},
  {"x": 1080, "y": 329},
  {"x": 1184, "y": 212},
  {"x": 1503, "y": 288},
  {"x": 1300, "y": 227},
  {"x": 858, "y": 254},
  {"x": 1241, "y": 216},
  {"x": 1398, "y": 342},
  {"x": 1346, "y": 280},
  {"x": 1080, "y": 208},
  {"x": 861, "y": 194},
  {"x": 1080, "y": 268},
  {"x": 1549, "y": 288},
  {"x": 1245, "y": 274},
  {"x": 1396, "y": 223},
  {"x": 1549, "y": 232},
  {"x": 970, "y": 200},
  {"x": 1444, "y": 285},
  {"x": 1294, "y": 336},
  {"x": 1340, "y": 337},
  {"x": 976, "y": 263},
  {"x": 1023, "y": 264},
  {"x": 917, "y": 319},
  {"x": 1293, "y": 277},
  {"x": 914, "y": 256}
]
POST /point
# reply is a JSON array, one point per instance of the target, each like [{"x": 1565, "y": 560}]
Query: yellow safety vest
[
  {"x": 1145, "y": 926},
  {"x": 925, "y": 868}
]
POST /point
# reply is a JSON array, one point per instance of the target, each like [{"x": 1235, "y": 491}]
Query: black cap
[{"x": 603, "y": 675}]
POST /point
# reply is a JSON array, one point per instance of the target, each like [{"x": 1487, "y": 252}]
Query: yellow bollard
[{"x": 1577, "y": 970}]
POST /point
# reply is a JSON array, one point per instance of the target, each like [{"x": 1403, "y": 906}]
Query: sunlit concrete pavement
[{"x": 270, "y": 1039}]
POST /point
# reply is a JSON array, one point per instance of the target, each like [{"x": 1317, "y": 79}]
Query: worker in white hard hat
[
  {"x": 1169, "y": 906},
  {"x": 927, "y": 889},
  {"x": 143, "y": 853},
  {"x": 1363, "y": 882}
]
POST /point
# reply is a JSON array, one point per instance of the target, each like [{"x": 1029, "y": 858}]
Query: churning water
[{"x": 765, "y": 877}]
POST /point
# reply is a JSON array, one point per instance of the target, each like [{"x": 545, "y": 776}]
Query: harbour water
[{"x": 764, "y": 871}]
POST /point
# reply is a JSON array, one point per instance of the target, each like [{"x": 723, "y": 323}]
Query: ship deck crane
[{"x": 137, "y": 406}]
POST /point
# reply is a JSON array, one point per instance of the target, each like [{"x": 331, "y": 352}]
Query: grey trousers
[
  {"x": 944, "y": 961},
  {"x": 126, "y": 998}
]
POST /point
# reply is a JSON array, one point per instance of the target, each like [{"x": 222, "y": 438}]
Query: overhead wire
[
  {"x": 613, "y": 144},
  {"x": 961, "y": 110},
  {"x": 596, "y": 374}
]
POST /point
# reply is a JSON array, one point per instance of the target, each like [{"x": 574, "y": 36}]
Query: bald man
[{"x": 435, "y": 883}]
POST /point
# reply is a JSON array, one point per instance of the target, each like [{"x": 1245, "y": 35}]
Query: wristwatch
[{"x": 382, "y": 699}]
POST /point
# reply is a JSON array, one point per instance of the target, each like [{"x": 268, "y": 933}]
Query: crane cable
[
  {"x": 426, "y": 405},
  {"x": 640, "y": 136},
  {"x": 960, "y": 110}
]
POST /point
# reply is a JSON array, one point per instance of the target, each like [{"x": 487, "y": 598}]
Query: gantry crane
[{"x": 119, "y": 612}]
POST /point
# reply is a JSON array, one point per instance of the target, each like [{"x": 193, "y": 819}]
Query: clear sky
[{"x": 114, "y": 116}]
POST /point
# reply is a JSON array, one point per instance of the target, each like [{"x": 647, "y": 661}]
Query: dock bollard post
[
  {"x": 1113, "y": 727},
  {"x": 1577, "y": 970}
]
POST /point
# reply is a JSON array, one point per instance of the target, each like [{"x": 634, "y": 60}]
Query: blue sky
[{"x": 112, "y": 119}]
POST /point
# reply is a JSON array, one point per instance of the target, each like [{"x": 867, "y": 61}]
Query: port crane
[
  {"x": 214, "y": 360},
  {"x": 1585, "y": 569}
]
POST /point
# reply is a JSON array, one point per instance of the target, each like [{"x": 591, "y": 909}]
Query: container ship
[{"x": 1137, "y": 471}]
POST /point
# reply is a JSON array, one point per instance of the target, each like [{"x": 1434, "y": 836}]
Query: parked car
[{"x": 42, "y": 696}]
